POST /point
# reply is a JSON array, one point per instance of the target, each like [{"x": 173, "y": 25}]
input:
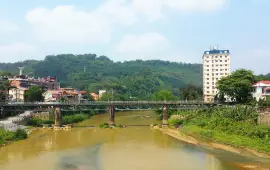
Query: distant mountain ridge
[{"x": 90, "y": 72}]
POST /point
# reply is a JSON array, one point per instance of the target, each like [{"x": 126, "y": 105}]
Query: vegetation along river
[{"x": 132, "y": 148}]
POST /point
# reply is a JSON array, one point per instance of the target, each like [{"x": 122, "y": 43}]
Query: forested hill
[{"x": 137, "y": 78}]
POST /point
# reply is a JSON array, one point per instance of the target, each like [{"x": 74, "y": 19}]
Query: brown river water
[{"x": 132, "y": 148}]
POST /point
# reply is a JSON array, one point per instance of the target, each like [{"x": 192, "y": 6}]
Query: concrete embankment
[{"x": 178, "y": 134}]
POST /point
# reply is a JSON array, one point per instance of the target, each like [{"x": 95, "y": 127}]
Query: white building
[
  {"x": 261, "y": 90},
  {"x": 16, "y": 94},
  {"x": 101, "y": 92},
  {"x": 216, "y": 64}
]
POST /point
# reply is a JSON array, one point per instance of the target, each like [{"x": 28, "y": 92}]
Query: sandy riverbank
[{"x": 191, "y": 140}]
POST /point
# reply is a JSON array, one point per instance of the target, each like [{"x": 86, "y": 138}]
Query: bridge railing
[{"x": 104, "y": 102}]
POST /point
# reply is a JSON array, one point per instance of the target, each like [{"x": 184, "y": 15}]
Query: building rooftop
[
  {"x": 216, "y": 51},
  {"x": 267, "y": 89},
  {"x": 262, "y": 83}
]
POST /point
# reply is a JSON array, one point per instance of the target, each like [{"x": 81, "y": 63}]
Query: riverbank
[
  {"x": 191, "y": 138},
  {"x": 8, "y": 136},
  {"x": 66, "y": 120},
  {"x": 237, "y": 126}
]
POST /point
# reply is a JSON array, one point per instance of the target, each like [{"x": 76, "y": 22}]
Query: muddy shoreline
[{"x": 176, "y": 133}]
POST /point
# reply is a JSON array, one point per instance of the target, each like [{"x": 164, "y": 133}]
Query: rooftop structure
[
  {"x": 21, "y": 70},
  {"x": 24, "y": 82}
]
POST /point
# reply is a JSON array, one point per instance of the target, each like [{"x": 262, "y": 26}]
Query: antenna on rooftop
[{"x": 21, "y": 70}]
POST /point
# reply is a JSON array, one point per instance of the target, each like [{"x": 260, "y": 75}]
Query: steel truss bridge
[
  {"x": 110, "y": 106},
  {"x": 103, "y": 105}
]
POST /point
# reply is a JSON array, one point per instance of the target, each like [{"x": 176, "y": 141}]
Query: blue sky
[{"x": 174, "y": 30}]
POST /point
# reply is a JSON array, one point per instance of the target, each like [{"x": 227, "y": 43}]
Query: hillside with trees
[{"x": 138, "y": 79}]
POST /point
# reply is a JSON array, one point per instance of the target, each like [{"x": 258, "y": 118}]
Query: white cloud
[
  {"x": 66, "y": 24},
  {"x": 196, "y": 5},
  {"x": 117, "y": 11},
  {"x": 7, "y": 26},
  {"x": 16, "y": 52},
  {"x": 153, "y": 8},
  {"x": 146, "y": 46}
]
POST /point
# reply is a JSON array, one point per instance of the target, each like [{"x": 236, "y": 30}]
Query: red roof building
[{"x": 261, "y": 90}]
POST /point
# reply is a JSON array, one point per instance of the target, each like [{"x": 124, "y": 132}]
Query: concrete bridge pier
[
  {"x": 111, "y": 113},
  {"x": 165, "y": 116},
  {"x": 58, "y": 117}
]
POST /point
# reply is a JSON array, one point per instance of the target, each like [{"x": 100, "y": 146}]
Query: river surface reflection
[{"x": 132, "y": 148}]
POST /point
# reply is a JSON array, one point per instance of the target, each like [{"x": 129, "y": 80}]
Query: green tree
[
  {"x": 191, "y": 92},
  {"x": 263, "y": 77},
  {"x": 4, "y": 89},
  {"x": 163, "y": 95},
  {"x": 238, "y": 86},
  {"x": 5, "y": 73},
  {"x": 137, "y": 78},
  {"x": 220, "y": 97},
  {"x": 33, "y": 94},
  {"x": 114, "y": 97}
]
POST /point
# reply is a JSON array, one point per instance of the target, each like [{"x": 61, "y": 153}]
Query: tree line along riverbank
[
  {"x": 236, "y": 126},
  {"x": 68, "y": 119},
  {"x": 20, "y": 134}
]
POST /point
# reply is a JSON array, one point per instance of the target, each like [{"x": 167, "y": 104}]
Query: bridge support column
[
  {"x": 165, "y": 116},
  {"x": 111, "y": 113},
  {"x": 58, "y": 117}
]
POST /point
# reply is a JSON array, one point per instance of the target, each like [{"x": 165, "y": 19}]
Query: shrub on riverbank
[
  {"x": 65, "y": 120},
  {"x": 74, "y": 118},
  {"x": 258, "y": 144},
  {"x": 106, "y": 125},
  {"x": 9, "y": 136},
  {"x": 235, "y": 126},
  {"x": 39, "y": 122},
  {"x": 175, "y": 122}
]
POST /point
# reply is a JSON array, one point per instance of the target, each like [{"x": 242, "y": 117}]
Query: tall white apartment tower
[{"x": 216, "y": 64}]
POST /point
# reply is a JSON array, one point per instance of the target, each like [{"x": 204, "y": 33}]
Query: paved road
[{"x": 12, "y": 123}]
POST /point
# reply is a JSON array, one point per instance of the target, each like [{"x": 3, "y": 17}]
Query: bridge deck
[{"x": 105, "y": 103}]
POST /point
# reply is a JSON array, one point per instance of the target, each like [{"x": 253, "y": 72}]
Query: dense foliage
[
  {"x": 238, "y": 123},
  {"x": 133, "y": 79},
  {"x": 38, "y": 122},
  {"x": 70, "y": 119},
  {"x": 238, "y": 86},
  {"x": 264, "y": 102},
  {"x": 74, "y": 118},
  {"x": 8, "y": 136},
  {"x": 33, "y": 94},
  {"x": 3, "y": 90},
  {"x": 163, "y": 95},
  {"x": 106, "y": 126},
  {"x": 263, "y": 77},
  {"x": 191, "y": 92}
]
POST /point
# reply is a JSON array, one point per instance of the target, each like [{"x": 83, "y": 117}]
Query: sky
[{"x": 173, "y": 30}]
